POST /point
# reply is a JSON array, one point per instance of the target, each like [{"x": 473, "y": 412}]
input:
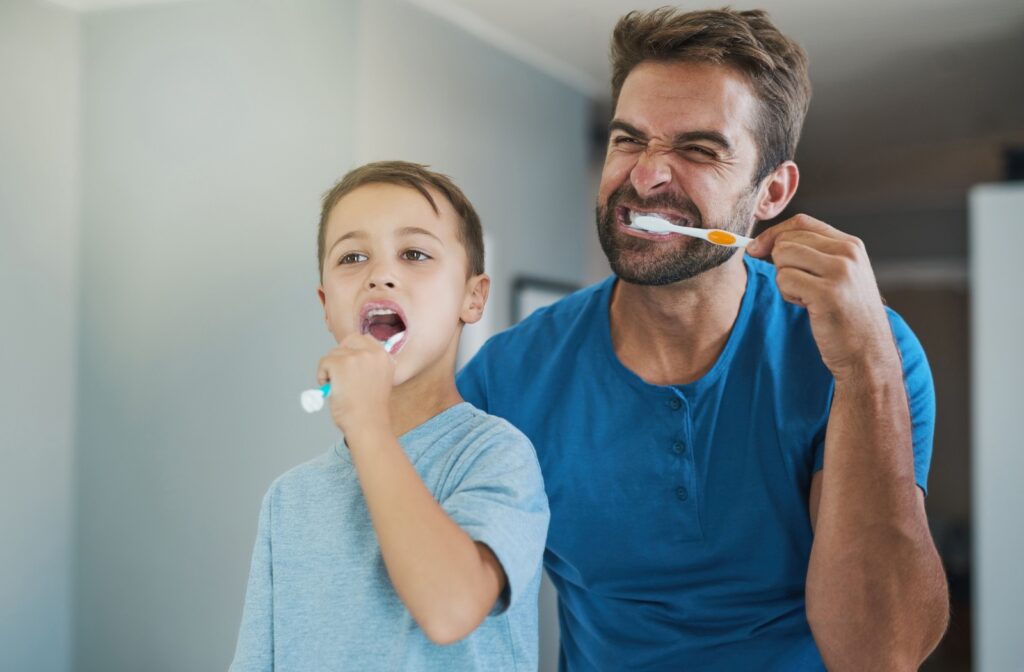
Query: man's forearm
[
  {"x": 438, "y": 571},
  {"x": 876, "y": 592}
]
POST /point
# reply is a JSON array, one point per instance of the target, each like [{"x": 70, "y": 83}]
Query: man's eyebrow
[
  {"x": 713, "y": 137},
  {"x": 619, "y": 125}
]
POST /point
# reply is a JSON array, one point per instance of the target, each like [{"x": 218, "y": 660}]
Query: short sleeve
[
  {"x": 917, "y": 380},
  {"x": 254, "y": 651},
  {"x": 499, "y": 501}
]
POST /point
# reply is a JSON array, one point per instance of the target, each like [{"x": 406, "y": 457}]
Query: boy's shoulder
[
  {"x": 473, "y": 431},
  {"x": 302, "y": 477}
]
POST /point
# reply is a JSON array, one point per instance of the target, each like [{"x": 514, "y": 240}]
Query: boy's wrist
[{"x": 369, "y": 432}]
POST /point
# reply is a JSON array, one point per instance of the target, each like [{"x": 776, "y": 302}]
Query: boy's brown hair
[
  {"x": 422, "y": 179},
  {"x": 749, "y": 42}
]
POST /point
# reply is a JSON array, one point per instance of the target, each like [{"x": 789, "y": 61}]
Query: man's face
[
  {"x": 387, "y": 251},
  {"x": 680, "y": 147}
]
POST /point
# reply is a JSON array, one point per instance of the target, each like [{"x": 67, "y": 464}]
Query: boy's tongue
[{"x": 384, "y": 327}]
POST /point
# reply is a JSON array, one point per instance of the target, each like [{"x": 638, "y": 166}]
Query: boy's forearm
[{"x": 448, "y": 582}]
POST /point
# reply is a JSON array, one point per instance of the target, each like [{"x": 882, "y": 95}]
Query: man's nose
[{"x": 652, "y": 172}]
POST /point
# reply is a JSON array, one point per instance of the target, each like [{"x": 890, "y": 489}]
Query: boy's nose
[{"x": 381, "y": 275}]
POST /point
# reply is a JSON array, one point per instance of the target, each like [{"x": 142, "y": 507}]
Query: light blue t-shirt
[
  {"x": 319, "y": 596},
  {"x": 680, "y": 533}
]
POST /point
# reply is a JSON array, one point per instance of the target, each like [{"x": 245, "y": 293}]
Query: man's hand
[
  {"x": 828, "y": 272},
  {"x": 362, "y": 375}
]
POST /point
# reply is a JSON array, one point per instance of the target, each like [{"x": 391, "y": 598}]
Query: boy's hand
[{"x": 361, "y": 374}]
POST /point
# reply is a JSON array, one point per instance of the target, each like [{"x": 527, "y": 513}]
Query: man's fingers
[
  {"x": 798, "y": 286},
  {"x": 814, "y": 253},
  {"x": 764, "y": 243}
]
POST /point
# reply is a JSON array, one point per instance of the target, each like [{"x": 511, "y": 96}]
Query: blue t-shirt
[
  {"x": 319, "y": 596},
  {"x": 680, "y": 531}
]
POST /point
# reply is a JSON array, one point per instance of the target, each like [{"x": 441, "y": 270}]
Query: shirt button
[
  {"x": 678, "y": 447},
  {"x": 681, "y": 493},
  {"x": 675, "y": 404}
]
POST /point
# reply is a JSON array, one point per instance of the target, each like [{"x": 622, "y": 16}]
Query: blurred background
[{"x": 161, "y": 165}]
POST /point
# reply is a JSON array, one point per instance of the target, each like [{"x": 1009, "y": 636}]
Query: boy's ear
[
  {"x": 323, "y": 302},
  {"x": 477, "y": 289},
  {"x": 777, "y": 191}
]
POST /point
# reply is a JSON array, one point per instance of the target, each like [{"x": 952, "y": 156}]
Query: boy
[{"x": 414, "y": 543}]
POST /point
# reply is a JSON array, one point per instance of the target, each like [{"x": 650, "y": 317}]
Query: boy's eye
[
  {"x": 415, "y": 255},
  {"x": 352, "y": 258}
]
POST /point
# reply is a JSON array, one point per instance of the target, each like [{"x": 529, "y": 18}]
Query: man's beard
[{"x": 650, "y": 262}]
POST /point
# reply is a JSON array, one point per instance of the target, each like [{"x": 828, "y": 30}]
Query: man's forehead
[{"x": 676, "y": 97}]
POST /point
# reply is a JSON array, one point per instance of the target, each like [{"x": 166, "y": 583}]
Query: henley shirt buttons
[
  {"x": 675, "y": 404},
  {"x": 681, "y": 493},
  {"x": 679, "y": 447}
]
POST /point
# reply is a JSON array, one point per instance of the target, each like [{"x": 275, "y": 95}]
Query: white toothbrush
[
  {"x": 313, "y": 400},
  {"x": 655, "y": 224}
]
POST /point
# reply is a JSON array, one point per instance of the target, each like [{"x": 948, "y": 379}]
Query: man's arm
[{"x": 876, "y": 593}]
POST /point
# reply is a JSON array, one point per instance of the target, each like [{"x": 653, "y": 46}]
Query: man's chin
[{"x": 660, "y": 272}]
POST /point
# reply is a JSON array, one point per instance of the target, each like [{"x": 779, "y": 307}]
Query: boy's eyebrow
[
  {"x": 416, "y": 230},
  {"x": 688, "y": 136},
  {"x": 404, "y": 231}
]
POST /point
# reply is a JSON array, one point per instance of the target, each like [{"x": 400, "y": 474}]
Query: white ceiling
[{"x": 845, "y": 39}]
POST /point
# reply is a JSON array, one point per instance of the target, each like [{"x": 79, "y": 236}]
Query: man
[{"x": 735, "y": 451}]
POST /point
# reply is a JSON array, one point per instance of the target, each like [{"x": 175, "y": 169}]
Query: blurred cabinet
[{"x": 996, "y": 267}]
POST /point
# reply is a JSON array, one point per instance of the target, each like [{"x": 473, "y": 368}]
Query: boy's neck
[{"x": 418, "y": 400}]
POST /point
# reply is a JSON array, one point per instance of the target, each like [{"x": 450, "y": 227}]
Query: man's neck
[{"x": 673, "y": 334}]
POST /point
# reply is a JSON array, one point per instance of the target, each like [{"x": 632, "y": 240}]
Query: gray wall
[
  {"x": 39, "y": 81},
  {"x": 513, "y": 139},
  {"x": 210, "y": 131}
]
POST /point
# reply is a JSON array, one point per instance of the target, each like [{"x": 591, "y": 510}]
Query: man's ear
[
  {"x": 777, "y": 191},
  {"x": 323, "y": 302},
  {"x": 477, "y": 290}
]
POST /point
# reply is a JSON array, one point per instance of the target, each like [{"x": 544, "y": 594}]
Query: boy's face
[{"x": 392, "y": 264}]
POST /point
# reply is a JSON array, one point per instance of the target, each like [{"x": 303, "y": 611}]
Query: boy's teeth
[{"x": 380, "y": 311}]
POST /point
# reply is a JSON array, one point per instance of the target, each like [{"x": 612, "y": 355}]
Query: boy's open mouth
[{"x": 383, "y": 320}]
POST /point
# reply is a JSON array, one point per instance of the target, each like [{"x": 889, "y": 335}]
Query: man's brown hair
[
  {"x": 749, "y": 42},
  {"x": 422, "y": 179}
]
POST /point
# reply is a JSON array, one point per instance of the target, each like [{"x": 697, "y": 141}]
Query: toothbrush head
[{"x": 312, "y": 400}]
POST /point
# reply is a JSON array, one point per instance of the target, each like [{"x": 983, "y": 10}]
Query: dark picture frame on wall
[{"x": 530, "y": 293}]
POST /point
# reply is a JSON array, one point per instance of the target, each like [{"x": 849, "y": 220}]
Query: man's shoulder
[{"x": 556, "y": 321}]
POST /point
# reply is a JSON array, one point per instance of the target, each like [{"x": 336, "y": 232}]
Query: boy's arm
[
  {"x": 448, "y": 582},
  {"x": 254, "y": 651}
]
